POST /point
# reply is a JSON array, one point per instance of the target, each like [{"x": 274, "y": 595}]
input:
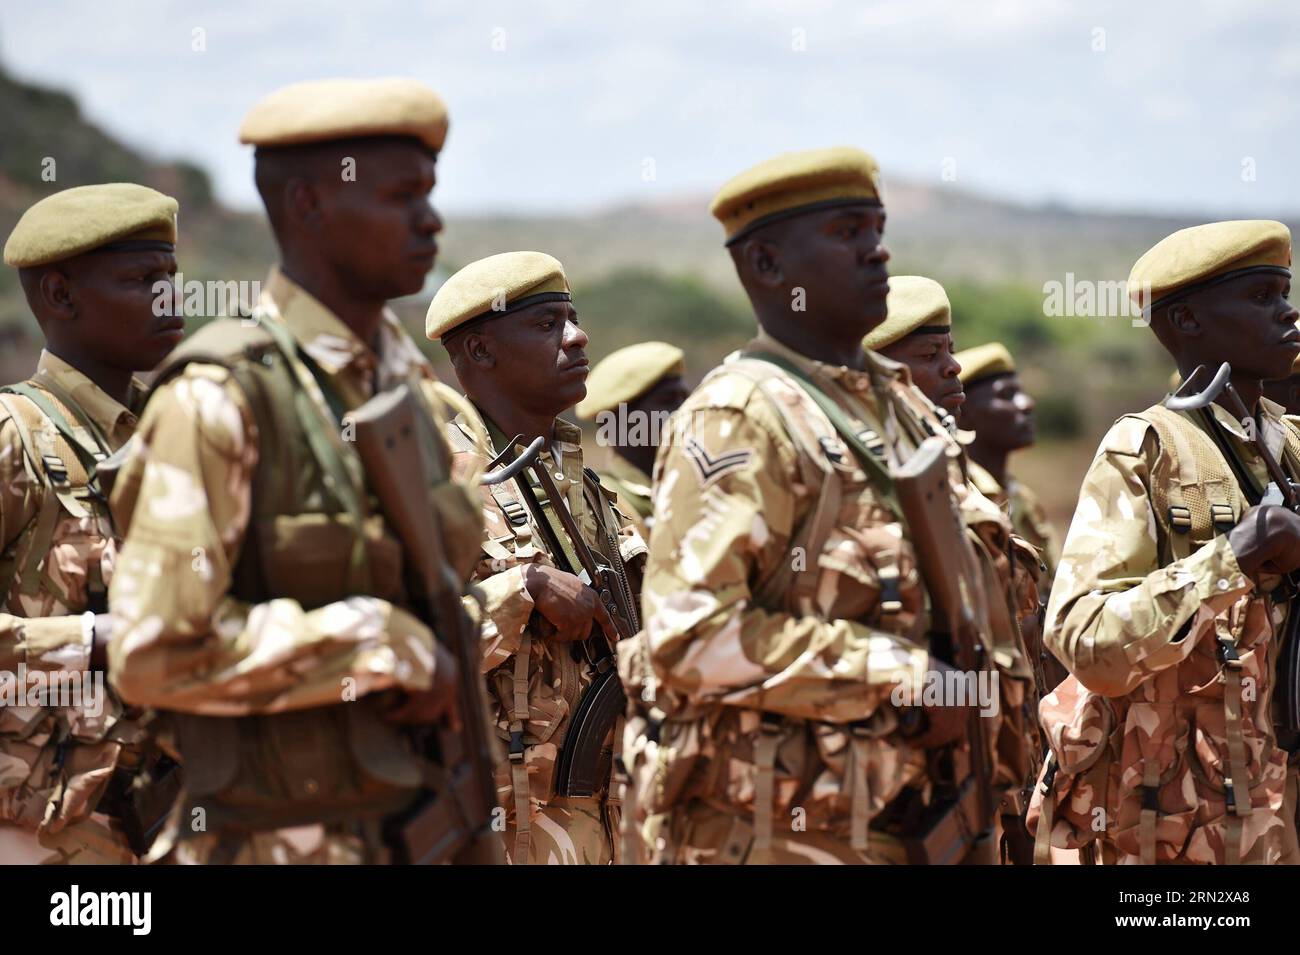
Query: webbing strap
[
  {"x": 764, "y": 796},
  {"x": 1150, "y": 812},
  {"x": 860, "y": 807},
  {"x": 518, "y": 763},
  {"x": 1046, "y": 814},
  {"x": 631, "y": 759},
  {"x": 326, "y": 443},
  {"x": 875, "y": 468},
  {"x": 1238, "y": 789}
]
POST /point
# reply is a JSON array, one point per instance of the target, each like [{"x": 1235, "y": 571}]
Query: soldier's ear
[
  {"x": 55, "y": 295},
  {"x": 301, "y": 202},
  {"x": 1184, "y": 321},
  {"x": 478, "y": 350},
  {"x": 762, "y": 262}
]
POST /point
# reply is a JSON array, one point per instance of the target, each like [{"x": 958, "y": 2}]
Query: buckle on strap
[
  {"x": 1228, "y": 653},
  {"x": 55, "y": 468},
  {"x": 770, "y": 723},
  {"x": 1180, "y": 519},
  {"x": 1150, "y": 798},
  {"x": 829, "y": 449},
  {"x": 1049, "y": 776},
  {"x": 1231, "y": 794},
  {"x": 515, "y": 512},
  {"x": 517, "y": 746},
  {"x": 1222, "y": 517}
]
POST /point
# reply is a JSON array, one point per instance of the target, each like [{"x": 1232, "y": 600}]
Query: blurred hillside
[{"x": 658, "y": 269}]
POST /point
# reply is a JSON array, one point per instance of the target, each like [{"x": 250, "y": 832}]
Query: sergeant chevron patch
[{"x": 710, "y": 468}]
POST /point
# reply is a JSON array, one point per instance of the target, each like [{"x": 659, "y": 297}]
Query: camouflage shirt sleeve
[
  {"x": 725, "y": 506},
  {"x": 1116, "y": 616},
  {"x": 55, "y": 642},
  {"x": 180, "y": 641}
]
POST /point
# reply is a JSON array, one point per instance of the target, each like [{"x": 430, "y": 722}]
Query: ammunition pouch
[{"x": 330, "y": 764}]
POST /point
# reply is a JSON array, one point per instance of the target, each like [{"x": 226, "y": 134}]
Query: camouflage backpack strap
[
  {"x": 1196, "y": 498},
  {"x": 1193, "y": 491},
  {"x": 61, "y": 456},
  {"x": 811, "y": 534}
]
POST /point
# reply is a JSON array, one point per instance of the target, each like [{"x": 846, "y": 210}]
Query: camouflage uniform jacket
[
  {"x": 514, "y": 648},
  {"x": 1164, "y": 749},
  {"x": 1027, "y": 514},
  {"x": 55, "y": 763},
  {"x": 775, "y": 664},
  {"x": 182, "y": 640}
]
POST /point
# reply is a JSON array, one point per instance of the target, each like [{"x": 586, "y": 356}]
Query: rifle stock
[
  {"x": 577, "y": 770},
  {"x": 948, "y": 568},
  {"x": 403, "y": 459}
]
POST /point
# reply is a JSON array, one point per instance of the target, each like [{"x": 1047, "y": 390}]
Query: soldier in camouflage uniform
[
  {"x": 917, "y": 332},
  {"x": 260, "y": 598},
  {"x": 784, "y": 612},
  {"x": 630, "y": 395},
  {"x": 1163, "y": 749},
  {"x": 511, "y": 330},
  {"x": 1001, "y": 417},
  {"x": 89, "y": 259}
]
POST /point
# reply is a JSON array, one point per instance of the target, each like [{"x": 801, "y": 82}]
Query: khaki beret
[
  {"x": 914, "y": 303},
  {"x": 793, "y": 183},
  {"x": 322, "y": 110},
  {"x": 83, "y": 218},
  {"x": 495, "y": 286},
  {"x": 627, "y": 374},
  {"x": 1204, "y": 255},
  {"x": 984, "y": 361}
]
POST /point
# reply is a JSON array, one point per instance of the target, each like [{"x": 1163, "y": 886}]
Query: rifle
[
  {"x": 1281, "y": 490},
  {"x": 577, "y": 770},
  {"x": 947, "y": 566},
  {"x": 404, "y": 457}
]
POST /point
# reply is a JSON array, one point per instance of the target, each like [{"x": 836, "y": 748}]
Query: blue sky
[{"x": 560, "y": 105}]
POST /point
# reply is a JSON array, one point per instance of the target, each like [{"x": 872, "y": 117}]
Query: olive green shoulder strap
[
  {"x": 75, "y": 435},
  {"x": 876, "y": 470}
]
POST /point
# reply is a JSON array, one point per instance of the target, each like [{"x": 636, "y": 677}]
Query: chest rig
[
  {"x": 314, "y": 535},
  {"x": 62, "y": 448}
]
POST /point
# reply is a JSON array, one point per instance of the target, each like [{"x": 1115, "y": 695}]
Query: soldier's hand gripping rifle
[
  {"x": 1281, "y": 490},
  {"x": 577, "y": 771},
  {"x": 951, "y": 577},
  {"x": 403, "y": 458}
]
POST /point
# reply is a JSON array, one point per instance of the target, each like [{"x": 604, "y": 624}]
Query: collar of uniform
[
  {"x": 1271, "y": 425},
  {"x": 566, "y": 435},
  {"x": 850, "y": 379},
  {"x": 102, "y": 409},
  {"x": 322, "y": 334}
]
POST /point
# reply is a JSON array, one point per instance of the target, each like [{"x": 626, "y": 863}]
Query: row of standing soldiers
[{"x": 803, "y": 619}]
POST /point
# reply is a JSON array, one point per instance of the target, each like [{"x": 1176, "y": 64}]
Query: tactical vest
[
  {"x": 1195, "y": 497},
  {"x": 61, "y": 449},
  {"x": 313, "y": 535},
  {"x": 822, "y": 468}
]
